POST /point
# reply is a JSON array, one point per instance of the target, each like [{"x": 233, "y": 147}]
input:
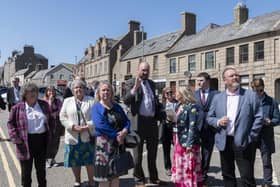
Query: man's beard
[{"x": 235, "y": 85}]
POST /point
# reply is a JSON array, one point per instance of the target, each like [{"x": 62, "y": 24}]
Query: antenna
[{"x": 142, "y": 28}]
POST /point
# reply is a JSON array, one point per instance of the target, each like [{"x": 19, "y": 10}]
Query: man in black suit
[
  {"x": 204, "y": 96},
  {"x": 13, "y": 93},
  {"x": 145, "y": 107}
]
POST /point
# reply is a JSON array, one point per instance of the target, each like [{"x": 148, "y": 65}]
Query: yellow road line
[
  {"x": 15, "y": 160},
  {"x": 7, "y": 169}
]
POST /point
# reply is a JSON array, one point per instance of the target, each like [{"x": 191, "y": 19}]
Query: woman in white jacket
[{"x": 75, "y": 116}]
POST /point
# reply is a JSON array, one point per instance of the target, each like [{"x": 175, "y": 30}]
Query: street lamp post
[{"x": 188, "y": 75}]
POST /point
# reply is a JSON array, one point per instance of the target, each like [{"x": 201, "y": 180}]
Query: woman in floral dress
[{"x": 186, "y": 166}]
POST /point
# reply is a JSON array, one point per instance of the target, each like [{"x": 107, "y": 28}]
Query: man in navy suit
[
  {"x": 204, "y": 96},
  {"x": 266, "y": 142},
  {"x": 145, "y": 108},
  {"x": 236, "y": 114}
]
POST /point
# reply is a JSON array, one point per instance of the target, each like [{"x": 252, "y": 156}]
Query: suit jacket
[
  {"x": 203, "y": 109},
  {"x": 69, "y": 117},
  {"x": 271, "y": 111},
  {"x": 11, "y": 95},
  {"x": 248, "y": 121},
  {"x": 187, "y": 130},
  {"x": 2, "y": 103},
  {"x": 134, "y": 101},
  {"x": 18, "y": 127}
]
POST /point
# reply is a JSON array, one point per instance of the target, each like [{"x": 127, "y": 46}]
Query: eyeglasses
[
  {"x": 260, "y": 90},
  {"x": 168, "y": 93}
]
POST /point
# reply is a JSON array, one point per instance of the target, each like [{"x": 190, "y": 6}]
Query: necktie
[{"x": 203, "y": 99}]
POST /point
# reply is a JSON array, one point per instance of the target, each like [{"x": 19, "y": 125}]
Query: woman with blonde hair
[
  {"x": 111, "y": 125},
  {"x": 186, "y": 166}
]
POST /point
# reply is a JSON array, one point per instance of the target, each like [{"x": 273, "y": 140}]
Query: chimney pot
[
  {"x": 188, "y": 23},
  {"x": 240, "y": 14}
]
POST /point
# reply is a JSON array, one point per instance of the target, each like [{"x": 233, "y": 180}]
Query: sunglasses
[{"x": 168, "y": 93}]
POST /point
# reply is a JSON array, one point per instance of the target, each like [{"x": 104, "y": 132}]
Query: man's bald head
[{"x": 143, "y": 70}]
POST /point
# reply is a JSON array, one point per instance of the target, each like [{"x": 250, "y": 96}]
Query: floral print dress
[{"x": 186, "y": 166}]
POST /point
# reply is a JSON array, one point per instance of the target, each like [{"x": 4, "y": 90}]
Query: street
[{"x": 63, "y": 177}]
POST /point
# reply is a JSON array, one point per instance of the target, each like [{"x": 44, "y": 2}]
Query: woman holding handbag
[
  {"x": 111, "y": 125},
  {"x": 75, "y": 116}
]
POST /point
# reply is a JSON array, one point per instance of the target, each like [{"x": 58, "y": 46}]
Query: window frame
[
  {"x": 230, "y": 56},
  {"x": 259, "y": 52},
  {"x": 209, "y": 64}
]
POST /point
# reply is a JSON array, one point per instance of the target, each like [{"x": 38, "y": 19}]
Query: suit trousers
[
  {"x": 166, "y": 139},
  {"x": 245, "y": 163},
  {"x": 207, "y": 144},
  {"x": 148, "y": 131},
  {"x": 267, "y": 167},
  {"x": 37, "y": 148}
]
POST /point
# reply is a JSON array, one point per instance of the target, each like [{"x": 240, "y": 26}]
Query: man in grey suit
[
  {"x": 236, "y": 114},
  {"x": 145, "y": 107},
  {"x": 13, "y": 93}
]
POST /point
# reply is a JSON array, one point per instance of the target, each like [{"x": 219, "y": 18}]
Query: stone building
[
  {"x": 99, "y": 59},
  {"x": 57, "y": 76},
  {"x": 153, "y": 51},
  {"x": 249, "y": 44},
  {"x": 28, "y": 60}
]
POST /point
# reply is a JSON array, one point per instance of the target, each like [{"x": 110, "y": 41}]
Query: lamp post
[{"x": 188, "y": 75}]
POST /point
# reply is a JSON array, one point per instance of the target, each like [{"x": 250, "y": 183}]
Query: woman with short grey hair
[
  {"x": 75, "y": 116},
  {"x": 29, "y": 127}
]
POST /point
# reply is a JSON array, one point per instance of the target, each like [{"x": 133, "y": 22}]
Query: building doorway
[
  {"x": 277, "y": 90},
  {"x": 214, "y": 84}
]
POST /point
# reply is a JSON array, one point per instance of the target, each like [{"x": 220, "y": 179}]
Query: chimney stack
[
  {"x": 133, "y": 26},
  {"x": 188, "y": 23},
  {"x": 240, "y": 14}
]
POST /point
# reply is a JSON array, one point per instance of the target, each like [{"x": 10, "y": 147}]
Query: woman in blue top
[{"x": 111, "y": 125}]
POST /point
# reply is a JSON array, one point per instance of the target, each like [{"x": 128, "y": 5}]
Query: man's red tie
[{"x": 203, "y": 99}]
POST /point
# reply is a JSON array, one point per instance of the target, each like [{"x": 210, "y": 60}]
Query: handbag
[
  {"x": 120, "y": 163},
  {"x": 131, "y": 140},
  {"x": 80, "y": 114}
]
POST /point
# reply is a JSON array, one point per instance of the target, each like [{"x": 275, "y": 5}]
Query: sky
[{"x": 62, "y": 29}]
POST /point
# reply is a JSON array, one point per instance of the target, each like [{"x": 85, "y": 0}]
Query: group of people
[{"x": 237, "y": 120}]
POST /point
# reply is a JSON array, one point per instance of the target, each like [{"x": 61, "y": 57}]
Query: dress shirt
[
  {"x": 16, "y": 94},
  {"x": 232, "y": 105},
  {"x": 147, "y": 107},
  {"x": 36, "y": 119},
  {"x": 206, "y": 93}
]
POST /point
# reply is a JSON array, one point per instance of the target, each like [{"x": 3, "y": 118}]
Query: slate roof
[
  {"x": 40, "y": 74},
  {"x": 214, "y": 34},
  {"x": 21, "y": 72},
  {"x": 153, "y": 45},
  {"x": 69, "y": 66},
  {"x": 30, "y": 75}
]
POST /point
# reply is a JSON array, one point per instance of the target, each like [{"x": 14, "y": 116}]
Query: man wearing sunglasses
[
  {"x": 266, "y": 142},
  {"x": 204, "y": 95}
]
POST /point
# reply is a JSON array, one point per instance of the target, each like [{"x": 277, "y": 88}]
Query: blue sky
[{"x": 62, "y": 29}]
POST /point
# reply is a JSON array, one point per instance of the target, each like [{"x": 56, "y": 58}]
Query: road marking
[
  {"x": 6, "y": 168},
  {"x": 16, "y": 162},
  {"x": 274, "y": 177}
]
